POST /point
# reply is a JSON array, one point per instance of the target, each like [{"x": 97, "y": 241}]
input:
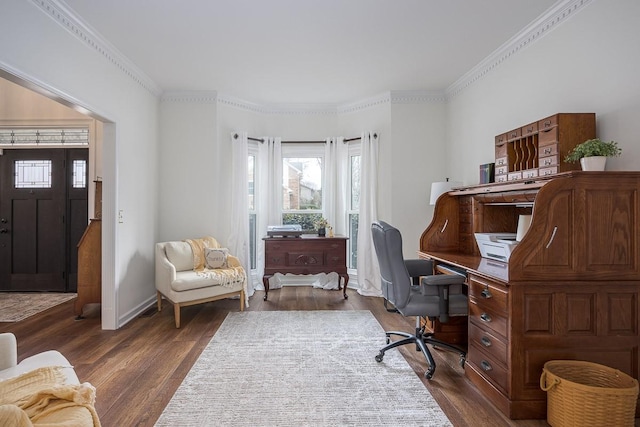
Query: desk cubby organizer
[{"x": 538, "y": 148}]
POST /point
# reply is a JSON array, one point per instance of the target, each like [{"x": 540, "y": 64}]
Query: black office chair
[{"x": 433, "y": 296}]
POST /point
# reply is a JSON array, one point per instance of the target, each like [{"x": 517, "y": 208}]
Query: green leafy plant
[{"x": 593, "y": 147}]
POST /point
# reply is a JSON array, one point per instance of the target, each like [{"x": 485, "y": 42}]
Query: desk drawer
[
  {"x": 514, "y": 176},
  {"x": 513, "y": 134},
  {"x": 488, "y": 295},
  {"x": 305, "y": 259},
  {"x": 336, "y": 260},
  {"x": 489, "y": 343},
  {"x": 489, "y": 368},
  {"x": 529, "y": 129},
  {"x": 275, "y": 259},
  {"x": 548, "y": 171},
  {"x": 501, "y": 161},
  {"x": 548, "y": 150},
  {"x": 546, "y": 162},
  {"x": 486, "y": 318}
]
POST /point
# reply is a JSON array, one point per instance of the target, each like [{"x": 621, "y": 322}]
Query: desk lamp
[{"x": 440, "y": 187}]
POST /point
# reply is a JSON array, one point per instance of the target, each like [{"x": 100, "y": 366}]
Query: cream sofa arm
[
  {"x": 165, "y": 271},
  {"x": 8, "y": 351}
]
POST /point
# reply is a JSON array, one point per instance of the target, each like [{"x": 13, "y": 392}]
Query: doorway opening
[{"x": 43, "y": 213}]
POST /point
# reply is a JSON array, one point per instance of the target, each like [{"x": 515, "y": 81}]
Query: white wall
[
  {"x": 190, "y": 177},
  {"x": 588, "y": 64},
  {"x": 416, "y": 157},
  {"x": 46, "y": 54}
]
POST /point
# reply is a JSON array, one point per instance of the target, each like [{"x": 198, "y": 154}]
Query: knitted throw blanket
[
  {"x": 227, "y": 277},
  {"x": 40, "y": 397},
  {"x": 197, "y": 247}
]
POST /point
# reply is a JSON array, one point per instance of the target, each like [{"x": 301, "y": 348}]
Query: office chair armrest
[
  {"x": 443, "y": 279},
  {"x": 442, "y": 282}
]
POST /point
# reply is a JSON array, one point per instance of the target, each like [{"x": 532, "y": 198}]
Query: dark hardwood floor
[{"x": 137, "y": 368}]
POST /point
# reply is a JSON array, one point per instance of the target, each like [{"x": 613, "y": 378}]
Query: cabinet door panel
[
  {"x": 611, "y": 239},
  {"x": 551, "y": 242}
]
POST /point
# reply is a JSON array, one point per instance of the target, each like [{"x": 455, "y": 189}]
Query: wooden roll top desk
[{"x": 571, "y": 287}]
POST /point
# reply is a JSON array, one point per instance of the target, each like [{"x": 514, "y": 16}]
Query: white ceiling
[{"x": 306, "y": 51}]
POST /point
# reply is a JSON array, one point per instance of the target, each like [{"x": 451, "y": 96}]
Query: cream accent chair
[{"x": 179, "y": 284}]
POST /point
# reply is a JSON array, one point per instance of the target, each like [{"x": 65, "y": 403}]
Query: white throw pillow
[
  {"x": 180, "y": 255},
  {"x": 216, "y": 257}
]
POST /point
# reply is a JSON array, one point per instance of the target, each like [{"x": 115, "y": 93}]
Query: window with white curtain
[
  {"x": 302, "y": 182},
  {"x": 303, "y": 192},
  {"x": 253, "y": 214},
  {"x": 353, "y": 206}
]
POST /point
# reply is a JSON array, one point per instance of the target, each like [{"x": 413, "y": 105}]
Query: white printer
[{"x": 496, "y": 246}]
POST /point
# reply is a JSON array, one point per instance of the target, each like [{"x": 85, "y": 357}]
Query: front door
[{"x": 43, "y": 204}]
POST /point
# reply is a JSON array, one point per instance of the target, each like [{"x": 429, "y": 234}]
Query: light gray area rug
[
  {"x": 18, "y": 306},
  {"x": 301, "y": 368}
]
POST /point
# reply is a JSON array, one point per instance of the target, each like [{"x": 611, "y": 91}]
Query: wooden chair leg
[
  {"x": 159, "y": 297},
  {"x": 242, "y": 300},
  {"x": 176, "y": 314}
]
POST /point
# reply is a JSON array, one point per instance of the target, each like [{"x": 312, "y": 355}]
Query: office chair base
[{"x": 421, "y": 339}]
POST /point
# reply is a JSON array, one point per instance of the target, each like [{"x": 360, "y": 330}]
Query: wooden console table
[
  {"x": 307, "y": 254},
  {"x": 571, "y": 288}
]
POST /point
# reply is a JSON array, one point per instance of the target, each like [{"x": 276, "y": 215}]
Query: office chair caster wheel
[
  {"x": 379, "y": 357},
  {"x": 429, "y": 374}
]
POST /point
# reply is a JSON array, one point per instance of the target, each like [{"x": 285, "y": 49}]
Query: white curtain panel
[
  {"x": 269, "y": 172},
  {"x": 238, "y": 240},
  {"x": 336, "y": 180},
  {"x": 368, "y": 269}
]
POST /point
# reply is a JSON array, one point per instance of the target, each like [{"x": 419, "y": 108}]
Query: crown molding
[
  {"x": 417, "y": 96},
  {"x": 67, "y": 19},
  {"x": 277, "y": 109},
  {"x": 196, "y": 97},
  {"x": 551, "y": 19},
  {"x": 364, "y": 104}
]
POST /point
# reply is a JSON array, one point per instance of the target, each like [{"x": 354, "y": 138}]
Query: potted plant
[
  {"x": 593, "y": 153},
  {"x": 321, "y": 225}
]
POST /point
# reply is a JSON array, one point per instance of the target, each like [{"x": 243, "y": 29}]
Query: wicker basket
[{"x": 588, "y": 394}]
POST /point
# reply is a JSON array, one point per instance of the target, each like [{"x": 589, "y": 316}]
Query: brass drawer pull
[
  {"x": 547, "y": 150},
  {"x": 486, "y": 293},
  {"x": 485, "y": 341},
  {"x": 486, "y": 366},
  {"x": 485, "y": 317}
]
